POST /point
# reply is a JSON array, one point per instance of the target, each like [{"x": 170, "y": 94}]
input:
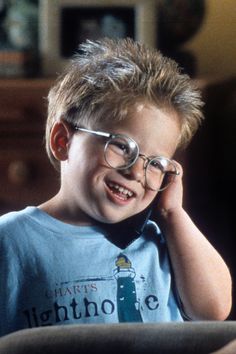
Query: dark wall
[{"x": 211, "y": 172}]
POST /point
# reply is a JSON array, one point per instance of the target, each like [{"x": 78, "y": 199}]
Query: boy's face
[{"x": 89, "y": 187}]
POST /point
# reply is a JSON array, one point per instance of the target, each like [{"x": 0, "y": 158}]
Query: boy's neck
[
  {"x": 59, "y": 211},
  {"x": 122, "y": 233}
]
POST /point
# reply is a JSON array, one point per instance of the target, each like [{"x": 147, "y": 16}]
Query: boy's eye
[
  {"x": 156, "y": 165},
  {"x": 119, "y": 147}
]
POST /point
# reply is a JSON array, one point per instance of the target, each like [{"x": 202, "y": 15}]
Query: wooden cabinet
[{"x": 26, "y": 175}]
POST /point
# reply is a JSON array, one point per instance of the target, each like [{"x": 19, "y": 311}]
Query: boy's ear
[{"x": 59, "y": 140}]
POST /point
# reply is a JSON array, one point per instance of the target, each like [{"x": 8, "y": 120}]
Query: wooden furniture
[{"x": 27, "y": 177}]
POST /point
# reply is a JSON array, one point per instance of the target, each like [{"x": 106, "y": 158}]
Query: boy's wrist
[{"x": 168, "y": 214}]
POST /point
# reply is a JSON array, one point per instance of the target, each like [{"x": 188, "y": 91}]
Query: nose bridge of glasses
[{"x": 145, "y": 160}]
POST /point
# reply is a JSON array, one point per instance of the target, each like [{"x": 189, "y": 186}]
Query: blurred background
[{"x": 199, "y": 35}]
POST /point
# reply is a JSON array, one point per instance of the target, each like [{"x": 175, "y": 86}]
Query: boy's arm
[{"x": 202, "y": 277}]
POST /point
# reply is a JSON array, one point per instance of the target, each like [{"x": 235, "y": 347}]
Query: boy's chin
[
  {"x": 115, "y": 219},
  {"x": 111, "y": 221},
  {"x": 134, "y": 221},
  {"x": 123, "y": 232}
]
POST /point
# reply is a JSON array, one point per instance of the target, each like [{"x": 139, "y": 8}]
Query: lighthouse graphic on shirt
[
  {"x": 128, "y": 307},
  {"x": 73, "y": 301}
]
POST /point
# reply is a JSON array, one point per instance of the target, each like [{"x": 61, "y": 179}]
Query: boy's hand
[{"x": 172, "y": 197}]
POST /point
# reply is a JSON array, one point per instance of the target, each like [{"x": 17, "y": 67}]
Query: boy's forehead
[
  {"x": 147, "y": 123},
  {"x": 146, "y": 120}
]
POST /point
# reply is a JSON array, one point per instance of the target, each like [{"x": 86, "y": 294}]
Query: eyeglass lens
[
  {"x": 160, "y": 172},
  {"x": 121, "y": 152}
]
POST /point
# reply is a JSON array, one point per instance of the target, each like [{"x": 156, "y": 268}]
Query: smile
[{"x": 123, "y": 192}]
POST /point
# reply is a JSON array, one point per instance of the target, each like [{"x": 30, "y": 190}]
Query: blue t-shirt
[{"x": 55, "y": 273}]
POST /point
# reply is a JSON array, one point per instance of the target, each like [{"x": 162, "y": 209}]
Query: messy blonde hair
[{"x": 108, "y": 77}]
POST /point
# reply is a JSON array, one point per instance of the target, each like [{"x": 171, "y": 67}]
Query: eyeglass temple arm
[{"x": 95, "y": 132}]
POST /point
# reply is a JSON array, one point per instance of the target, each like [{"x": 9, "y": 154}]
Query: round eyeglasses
[{"x": 121, "y": 153}]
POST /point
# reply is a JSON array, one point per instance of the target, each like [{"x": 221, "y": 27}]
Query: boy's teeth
[{"x": 121, "y": 189}]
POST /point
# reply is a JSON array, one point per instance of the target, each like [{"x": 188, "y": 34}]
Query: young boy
[{"x": 116, "y": 118}]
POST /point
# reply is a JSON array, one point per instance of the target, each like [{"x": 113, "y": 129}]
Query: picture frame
[{"x": 66, "y": 23}]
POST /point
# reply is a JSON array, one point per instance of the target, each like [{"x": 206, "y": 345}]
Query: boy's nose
[{"x": 136, "y": 171}]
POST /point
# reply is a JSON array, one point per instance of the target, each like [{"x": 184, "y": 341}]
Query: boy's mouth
[{"x": 120, "y": 191}]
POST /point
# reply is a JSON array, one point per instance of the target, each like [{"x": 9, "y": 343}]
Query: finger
[{"x": 179, "y": 168}]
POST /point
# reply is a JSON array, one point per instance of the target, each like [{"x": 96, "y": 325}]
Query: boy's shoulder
[
  {"x": 23, "y": 226},
  {"x": 15, "y": 219},
  {"x": 14, "y": 216}
]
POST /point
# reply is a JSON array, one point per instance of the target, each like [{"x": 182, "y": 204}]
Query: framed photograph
[{"x": 64, "y": 24}]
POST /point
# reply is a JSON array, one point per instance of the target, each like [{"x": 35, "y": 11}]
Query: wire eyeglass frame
[{"x": 136, "y": 152}]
